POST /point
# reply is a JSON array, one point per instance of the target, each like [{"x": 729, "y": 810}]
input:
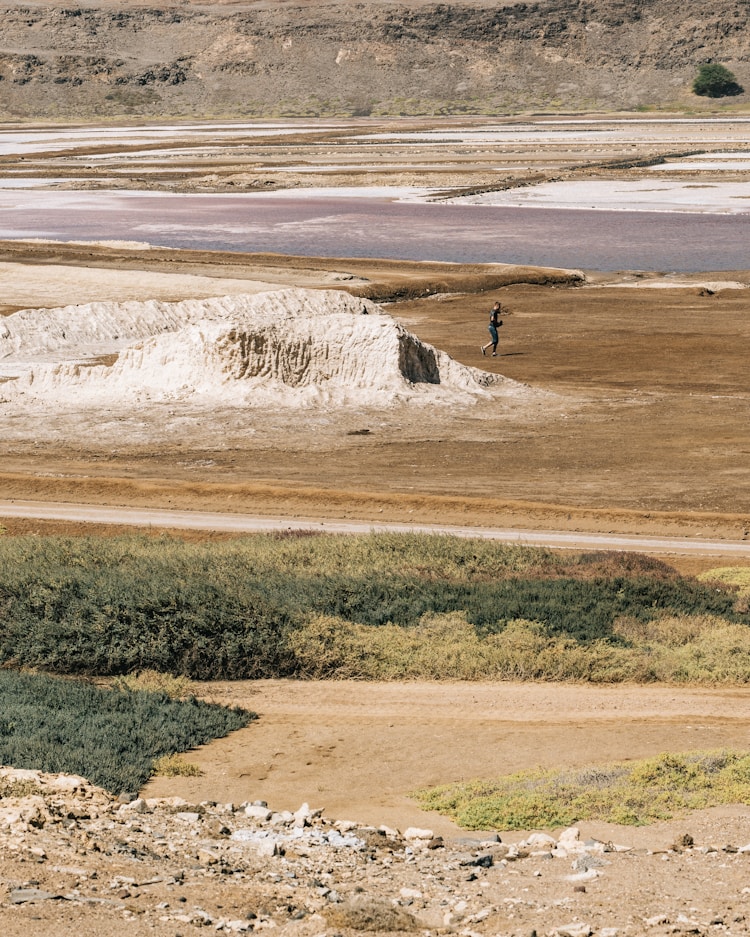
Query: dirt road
[{"x": 244, "y": 523}]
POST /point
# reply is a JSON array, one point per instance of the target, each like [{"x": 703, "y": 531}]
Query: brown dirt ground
[
  {"x": 653, "y": 439},
  {"x": 648, "y": 430},
  {"x": 358, "y": 749}
]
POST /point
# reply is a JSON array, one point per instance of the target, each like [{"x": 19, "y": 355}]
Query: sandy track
[
  {"x": 245, "y": 523},
  {"x": 359, "y": 748}
]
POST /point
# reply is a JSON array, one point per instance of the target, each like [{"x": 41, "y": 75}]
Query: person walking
[{"x": 494, "y": 325}]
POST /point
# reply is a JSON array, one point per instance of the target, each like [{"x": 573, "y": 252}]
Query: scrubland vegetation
[
  {"x": 633, "y": 792},
  {"x": 155, "y": 613},
  {"x": 370, "y": 607},
  {"x": 111, "y": 737}
]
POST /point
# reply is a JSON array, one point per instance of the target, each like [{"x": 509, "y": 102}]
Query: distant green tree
[{"x": 715, "y": 81}]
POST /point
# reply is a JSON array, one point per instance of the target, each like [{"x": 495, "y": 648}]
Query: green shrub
[
  {"x": 248, "y": 608},
  {"x": 116, "y": 607},
  {"x": 633, "y": 792},
  {"x": 715, "y": 81},
  {"x": 108, "y": 736}
]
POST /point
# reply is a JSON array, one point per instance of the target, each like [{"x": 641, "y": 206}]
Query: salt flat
[{"x": 655, "y": 195}]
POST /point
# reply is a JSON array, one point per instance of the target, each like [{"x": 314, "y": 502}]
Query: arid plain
[
  {"x": 633, "y": 419},
  {"x": 642, "y": 375}
]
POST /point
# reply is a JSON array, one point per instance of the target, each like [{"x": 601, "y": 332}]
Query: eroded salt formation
[{"x": 288, "y": 347}]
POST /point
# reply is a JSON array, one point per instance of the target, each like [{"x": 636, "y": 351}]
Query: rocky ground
[
  {"x": 164, "y": 59},
  {"x": 76, "y": 860}
]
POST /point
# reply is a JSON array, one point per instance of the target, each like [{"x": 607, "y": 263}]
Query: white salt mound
[{"x": 290, "y": 347}]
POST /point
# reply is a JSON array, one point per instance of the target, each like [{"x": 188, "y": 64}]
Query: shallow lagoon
[{"x": 380, "y": 226}]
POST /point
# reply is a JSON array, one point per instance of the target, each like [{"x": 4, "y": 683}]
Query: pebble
[{"x": 574, "y": 930}]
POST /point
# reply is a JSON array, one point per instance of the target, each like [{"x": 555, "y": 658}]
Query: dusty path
[
  {"x": 358, "y": 749},
  {"x": 245, "y": 523}
]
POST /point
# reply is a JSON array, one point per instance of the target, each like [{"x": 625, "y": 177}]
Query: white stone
[
  {"x": 135, "y": 806},
  {"x": 574, "y": 930},
  {"x": 267, "y": 848},
  {"x": 410, "y": 893},
  {"x": 414, "y": 833},
  {"x": 20, "y": 774},
  {"x": 571, "y": 835},
  {"x": 187, "y": 816},
  {"x": 258, "y": 813},
  {"x": 540, "y": 839},
  {"x": 25, "y": 813},
  {"x": 67, "y": 782},
  {"x": 197, "y": 917},
  {"x": 588, "y": 876}
]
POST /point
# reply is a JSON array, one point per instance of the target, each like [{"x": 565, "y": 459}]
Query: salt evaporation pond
[{"x": 379, "y": 226}]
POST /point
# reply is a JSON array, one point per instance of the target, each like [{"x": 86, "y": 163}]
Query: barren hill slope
[{"x": 70, "y": 60}]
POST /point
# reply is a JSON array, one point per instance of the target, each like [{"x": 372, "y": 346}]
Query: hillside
[{"x": 70, "y": 60}]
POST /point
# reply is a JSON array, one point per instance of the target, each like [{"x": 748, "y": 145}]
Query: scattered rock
[
  {"x": 25, "y": 895},
  {"x": 258, "y": 812},
  {"x": 574, "y": 930},
  {"x": 304, "y": 875},
  {"x": 683, "y": 842},
  {"x": 371, "y": 914}
]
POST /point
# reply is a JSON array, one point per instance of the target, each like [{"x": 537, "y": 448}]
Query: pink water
[{"x": 374, "y": 227}]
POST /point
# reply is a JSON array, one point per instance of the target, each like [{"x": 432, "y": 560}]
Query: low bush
[
  {"x": 276, "y": 606},
  {"x": 175, "y": 766},
  {"x": 110, "y": 737},
  {"x": 154, "y": 682},
  {"x": 688, "y": 649},
  {"x": 633, "y": 792},
  {"x": 738, "y": 576}
]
